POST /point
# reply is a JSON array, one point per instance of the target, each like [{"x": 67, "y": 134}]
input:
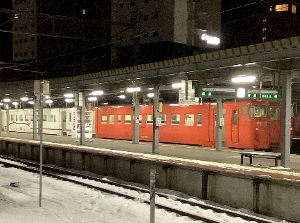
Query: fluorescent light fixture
[
  {"x": 243, "y": 79},
  {"x": 150, "y": 95},
  {"x": 122, "y": 96},
  {"x": 15, "y": 103},
  {"x": 241, "y": 92},
  {"x": 237, "y": 65},
  {"x": 133, "y": 89},
  {"x": 69, "y": 95},
  {"x": 24, "y": 99},
  {"x": 151, "y": 88},
  {"x": 49, "y": 101},
  {"x": 211, "y": 39},
  {"x": 97, "y": 93},
  {"x": 176, "y": 85},
  {"x": 92, "y": 98},
  {"x": 6, "y": 100},
  {"x": 1, "y": 103},
  {"x": 31, "y": 102},
  {"x": 69, "y": 100},
  {"x": 251, "y": 63}
]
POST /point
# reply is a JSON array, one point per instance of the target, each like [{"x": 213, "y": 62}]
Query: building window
[
  {"x": 294, "y": 9},
  {"x": 189, "y": 119},
  {"x": 83, "y": 11},
  {"x": 175, "y": 119},
  {"x": 282, "y": 8},
  {"x": 264, "y": 29},
  {"x": 264, "y": 20},
  {"x": 264, "y": 38}
]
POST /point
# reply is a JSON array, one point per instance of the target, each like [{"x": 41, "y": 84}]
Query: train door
[
  {"x": 274, "y": 127},
  {"x": 64, "y": 122},
  {"x": 235, "y": 126}
]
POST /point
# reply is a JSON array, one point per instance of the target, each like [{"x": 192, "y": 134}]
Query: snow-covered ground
[{"x": 67, "y": 202}]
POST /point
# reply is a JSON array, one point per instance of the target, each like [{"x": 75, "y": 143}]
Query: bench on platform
[{"x": 266, "y": 155}]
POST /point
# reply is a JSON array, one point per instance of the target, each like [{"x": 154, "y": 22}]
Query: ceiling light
[
  {"x": 24, "y": 99},
  {"x": 6, "y": 100},
  {"x": 15, "y": 103},
  {"x": 133, "y": 89},
  {"x": 31, "y": 102},
  {"x": 69, "y": 100},
  {"x": 92, "y": 98},
  {"x": 49, "y": 101},
  {"x": 97, "y": 93},
  {"x": 150, "y": 95},
  {"x": 176, "y": 85},
  {"x": 243, "y": 79},
  {"x": 122, "y": 96},
  {"x": 69, "y": 95}
]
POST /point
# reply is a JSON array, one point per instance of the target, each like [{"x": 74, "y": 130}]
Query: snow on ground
[{"x": 67, "y": 202}]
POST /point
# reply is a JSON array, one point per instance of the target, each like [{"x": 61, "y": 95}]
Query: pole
[
  {"x": 41, "y": 140},
  {"x": 152, "y": 194},
  {"x": 155, "y": 143}
]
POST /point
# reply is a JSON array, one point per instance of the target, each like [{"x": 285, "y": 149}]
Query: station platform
[{"x": 210, "y": 154}]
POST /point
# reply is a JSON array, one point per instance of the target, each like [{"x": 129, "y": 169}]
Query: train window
[
  {"x": 119, "y": 119},
  {"x": 235, "y": 117},
  {"x": 258, "y": 111},
  {"x": 140, "y": 119},
  {"x": 274, "y": 113},
  {"x": 26, "y": 118},
  {"x": 163, "y": 118},
  {"x": 50, "y": 118},
  {"x": 31, "y": 117},
  {"x": 189, "y": 119},
  {"x": 244, "y": 111},
  {"x": 11, "y": 118},
  {"x": 44, "y": 118},
  {"x": 103, "y": 119},
  {"x": 21, "y": 118},
  {"x": 112, "y": 119},
  {"x": 54, "y": 118},
  {"x": 16, "y": 118},
  {"x": 199, "y": 119},
  {"x": 149, "y": 119},
  {"x": 127, "y": 119},
  {"x": 175, "y": 119}
]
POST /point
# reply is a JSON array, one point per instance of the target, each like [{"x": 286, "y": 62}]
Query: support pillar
[
  {"x": 155, "y": 143},
  {"x": 136, "y": 122},
  {"x": 286, "y": 118},
  {"x": 219, "y": 125},
  {"x": 82, "y": 117}
]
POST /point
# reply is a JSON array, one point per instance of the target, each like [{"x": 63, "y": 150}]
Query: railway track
[{"x": 72, "y": 176}]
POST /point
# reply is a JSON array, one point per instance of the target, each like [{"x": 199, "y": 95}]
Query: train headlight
[{"x": 256, "y": 129}]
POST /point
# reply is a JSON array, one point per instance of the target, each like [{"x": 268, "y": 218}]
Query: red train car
[{"x": 249, "y": 124}]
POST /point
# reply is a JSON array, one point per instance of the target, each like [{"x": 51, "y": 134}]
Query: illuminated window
[
  {"x": 111, "y": 119},
  {"x": 258, "y": 111},
  {"x": 127, "y": 119},
  {"x": 119, "y": 119},
  {"x": 175, "y": 119},
  {"x": 274, "y": 113},
  {"x": 294, "y": 9},
  {"x": 235, "y": 117},
  {"x": 189, "y": 119},
  {"x": 26, "y": 118},
  {"x": 282, "y": 8},
  {"x": 44, "y": 118},
  {"x": 83, "y": 11},
  {"x": 199, "y": 119},
  {"x": 264, "y": 20},
  {"x": 104, "y": 119},
  {"x": 264, "y": 29},
  {"x": 21, "y": 117},
  {"x": 264, "y": 38},
  {"x": 163, "y": 119},
  {"x": 149, "y": 119},
  {"x": 140, "y": 119},
  {"x": 50, "y": 118},
  {"x": 11, "y": 118}
]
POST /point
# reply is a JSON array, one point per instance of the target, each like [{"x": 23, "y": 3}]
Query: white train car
[{"x": 56, "y": 121}]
